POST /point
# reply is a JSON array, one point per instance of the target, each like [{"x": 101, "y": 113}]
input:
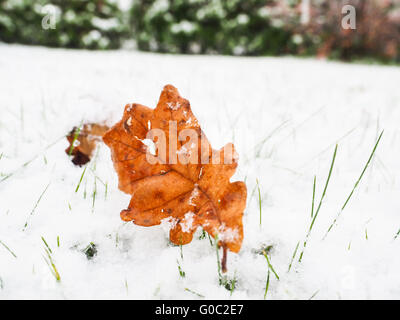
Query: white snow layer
[{"x": 284, "y": 115}]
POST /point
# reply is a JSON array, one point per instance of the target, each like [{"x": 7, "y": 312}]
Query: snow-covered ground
[{"x": 284, "y": 115}]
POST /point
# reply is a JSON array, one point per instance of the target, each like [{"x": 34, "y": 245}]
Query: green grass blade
[
  {"x": 76, "y": 135},
  {"x": 44, "y": 241},
  {"x": 233, "y": 284},
  {"x": 218, "y": 261},
  {"x": 8, "y": 249},
  {"x": 314, "y": 294},
  {"x": 266, "y": 285},
  {"x": 259, "y": 200},
  {"x": 36, "y": 204},
  {"x": 294, "y": 255},
  {"x": 182, "y": 273},
  {"x": 94, "y": 193},
  {"x": 320, "y": 203},
  {"x": 325, "y": 188},
  {"x": 52, "y": 266},
  {"x": 270, "y": 267},
  {"x": 195, "y": 293},
  {"x": 313, "y": 197},
  {"x": 355, "y": 186},
  {"x": 80, "y": 180}
]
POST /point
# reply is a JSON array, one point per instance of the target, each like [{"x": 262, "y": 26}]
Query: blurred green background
[{"x": 230, "y": 27}]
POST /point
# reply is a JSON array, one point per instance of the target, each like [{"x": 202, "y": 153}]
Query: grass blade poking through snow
[
  {"x": 52, "y": 266},
  {"x": 76, "y": 135},
  {"x": 259, "y": 200},
  {"x": 313, "y": 197},
  {"x": 219, "y": 268},
  {"x": 314, "y": 294},
  {"x": 266, "y": 285},
  {"x": 8, "y": 249},
  {"x": 355, "y": 185},
  {"x": 312, "y": 215},
  {"x": 217, "y": 252},
  {"x": 182, "y": 273},
  {"x": 195, "y": 293},
  {"x": 320, "y": 203},
  {"x": 50, "y": 262},
  {"x": 80, "y": 180},
  {"x": 397, "y": 234},
  {"x": 94, "y": 193},
  {"x": 270, "y": 267},
  {"x": 47, "y": 246},
  {"x": 34, "y": 208}
]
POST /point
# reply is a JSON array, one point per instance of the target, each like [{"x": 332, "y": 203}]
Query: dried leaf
[
  {"x": 83, "y": 141},
  {"x": 182, "y": 180}
]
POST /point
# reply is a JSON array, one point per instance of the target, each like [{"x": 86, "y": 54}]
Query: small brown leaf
[{"x": 83, "y": 141}]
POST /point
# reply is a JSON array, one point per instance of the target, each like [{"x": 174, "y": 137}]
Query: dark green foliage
[
  {"x": 239, "y": 27},
  {"x": 267, "y": 27},
  {"x": 91, "y": 24},
  {"x": 229, "y": 27}
]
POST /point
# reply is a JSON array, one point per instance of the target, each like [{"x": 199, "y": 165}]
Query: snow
[
  {"x": 129, "y": 121},
  {"x": 284, "y": 115},
  {"x": 187, "y": 224},
  {"x": 172, "y": 106},
  {"x": 195, "y": 192},
  {"x": 151, "y": 146},
  {"x": 227, "y": 234}
]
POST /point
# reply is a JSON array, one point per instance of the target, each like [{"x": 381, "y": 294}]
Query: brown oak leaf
[
  {"x": 83, "y": 141},
  {"x": 184, "y": 180}
]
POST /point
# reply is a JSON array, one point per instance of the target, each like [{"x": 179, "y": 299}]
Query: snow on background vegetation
[{"x": 285, "y": 116}]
